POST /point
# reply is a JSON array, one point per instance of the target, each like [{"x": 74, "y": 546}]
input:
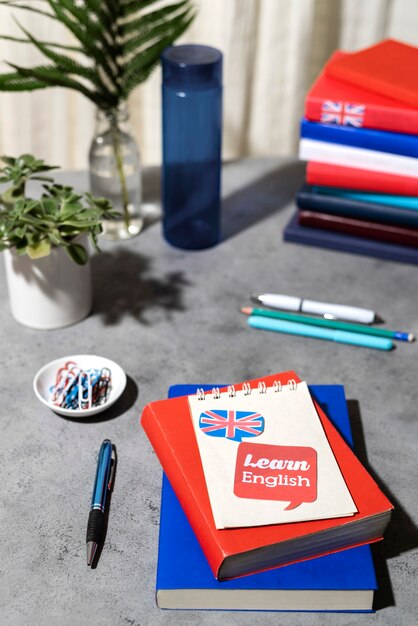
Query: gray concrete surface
[{"x": 170, "y": 316}]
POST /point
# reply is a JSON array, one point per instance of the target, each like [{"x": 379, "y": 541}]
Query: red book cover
[
  {"x": 240, "y": 551},
  {"x": 335, "y": 102},
  {"x": 360, "y": 228},
  {"x": 389, "y": 67},
  {"x": 327, "y": 175}
]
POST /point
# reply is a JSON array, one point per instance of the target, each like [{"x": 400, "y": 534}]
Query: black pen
[{"x": 102, "y": 486}]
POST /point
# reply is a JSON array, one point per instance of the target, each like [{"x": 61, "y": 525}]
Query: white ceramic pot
[{"x": 51, "y": 292}]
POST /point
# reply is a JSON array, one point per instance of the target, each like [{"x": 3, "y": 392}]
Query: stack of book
[
  {"x": 313, "y": 565},
  {"x": 360, "y": 139}
]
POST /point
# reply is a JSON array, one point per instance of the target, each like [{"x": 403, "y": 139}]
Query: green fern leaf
[
  {"x": 104, "y": 16},
  {"x": 139, "y": 68},
  {"x": 53, "y": 77},
  {"x": 88, "y": 43},
  {"x": 16, "y": 82},
  {"x": 63, "y": 62},
  {"x": 117, "y": 45},
  {"x": 92, "y": 22},
  {"x": 51, "y": 44},
  {"x": 156, "y": 32},
  {"x": 130, "y": 7},
  {"x": 27, "y": 7},
  {"x": 147, "y": 20}
]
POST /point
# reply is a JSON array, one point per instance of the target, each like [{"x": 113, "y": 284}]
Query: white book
[
  {"x": 349, "y": 156},
  {"x": 266, "y": 458}
]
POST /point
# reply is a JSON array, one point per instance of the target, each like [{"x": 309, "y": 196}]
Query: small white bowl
[{"x": 45, "y": 378}]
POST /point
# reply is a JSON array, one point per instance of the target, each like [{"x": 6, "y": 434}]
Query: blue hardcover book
[
  {"x": 307, "y": 198},
  {"x": 341, "y": 242},
  {"x": 404, "y": 202},
  {"x": 381, "y": 140},
  {"x": 344, "y": 581}
]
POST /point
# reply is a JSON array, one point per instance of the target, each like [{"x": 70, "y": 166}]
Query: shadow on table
[
  {"x": 263, "y": 197},
  {"x": 401, "y": 534},
  {"x": 122, "y": 284},
  {"x": 241, "y": 209},
  {"x": 122, "y": 287},
  {"x": 121, "y": 406}
]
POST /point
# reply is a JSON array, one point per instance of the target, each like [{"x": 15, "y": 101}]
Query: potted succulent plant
[
  {"x": 115, "y": 46},
  {"x": 45, "y": 244}
]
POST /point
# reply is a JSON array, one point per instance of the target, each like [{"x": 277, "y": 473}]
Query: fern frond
[
  {"x": 101, "y": 9},
  {"x": 130, "y": 7},
  {"x": 53, "y": 77},
  {"x": 27, "y": 7},
  {"x": 63, "y": 62},
  {"x": 92, "y": 22},
  {"x": 141, "y": 66},
  {"x": 117, "y": 45},
  {"x": 50, "y": 44},
  {"x": 95, "y": 24},
  {"x": 155, "y": 32},
  {"x": 16, "y": 82},
  {"x": 88, "y": 43},
  {"x": 147, "y": 20}
]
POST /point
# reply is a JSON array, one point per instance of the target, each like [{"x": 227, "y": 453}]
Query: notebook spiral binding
[{"x": 247, "y": 390}]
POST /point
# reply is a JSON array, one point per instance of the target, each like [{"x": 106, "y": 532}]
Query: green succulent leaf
[
  {"x": 20, "y": 248},
  {"x": 39, "y": 250},
  {"x": 33, "y": 226},
  {"x": 30, "y": 207},
  {"x": 20, "y": 231},
  {"x": 55, "y": 238},
  {"x": 77, "y": 253}
]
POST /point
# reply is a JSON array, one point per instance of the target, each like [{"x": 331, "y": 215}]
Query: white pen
[{"x": 326, "y": 309}]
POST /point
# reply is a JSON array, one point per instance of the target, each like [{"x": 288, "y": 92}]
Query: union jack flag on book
[
  {"x": 342, "y": 113},
  {"x": 231, "y": 424}
]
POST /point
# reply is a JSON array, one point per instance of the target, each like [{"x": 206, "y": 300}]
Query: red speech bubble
[{"x": 268, "y": 472}]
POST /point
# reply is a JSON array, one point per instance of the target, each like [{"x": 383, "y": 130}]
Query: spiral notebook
[{"x": 266, "y": 458}]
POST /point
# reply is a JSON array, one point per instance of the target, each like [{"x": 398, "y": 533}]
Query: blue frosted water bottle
[{"x": 192, "y": 132}]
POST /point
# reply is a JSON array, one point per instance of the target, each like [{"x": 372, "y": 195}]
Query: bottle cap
[{"x": 192, "y": 64}]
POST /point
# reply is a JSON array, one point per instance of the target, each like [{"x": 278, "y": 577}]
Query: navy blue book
[
  {"x": 332, "y": 240},
  {"x": 344, "y": 581},
  {"x": 367, "y": 138},
  {"x": 311, "y": 200}
]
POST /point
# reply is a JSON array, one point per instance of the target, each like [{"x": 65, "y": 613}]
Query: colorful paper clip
[{"x": 80, "y": 389}]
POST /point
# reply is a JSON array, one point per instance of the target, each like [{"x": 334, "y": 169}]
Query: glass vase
[{"x": 115, "y": 172}]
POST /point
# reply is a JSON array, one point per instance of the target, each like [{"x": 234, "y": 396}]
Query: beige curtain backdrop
[{"x": 273, "y": 49}]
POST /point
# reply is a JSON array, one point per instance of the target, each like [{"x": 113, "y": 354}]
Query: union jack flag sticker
[
  {"x": 342, "y": 113},
  {"x": 233, "y": 425}
]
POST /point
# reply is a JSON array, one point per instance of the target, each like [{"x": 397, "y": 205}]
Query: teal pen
[{"x": 340, "y": 336}]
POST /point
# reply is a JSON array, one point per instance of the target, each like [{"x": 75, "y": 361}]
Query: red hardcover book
[
  {"x": 360, "y": 228},
  {"x": 389, "y": 67},
  {"x": 239, "y": 551},
  {"x": 327, "y": 175},
  {"x": 335, "y": 102}
]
